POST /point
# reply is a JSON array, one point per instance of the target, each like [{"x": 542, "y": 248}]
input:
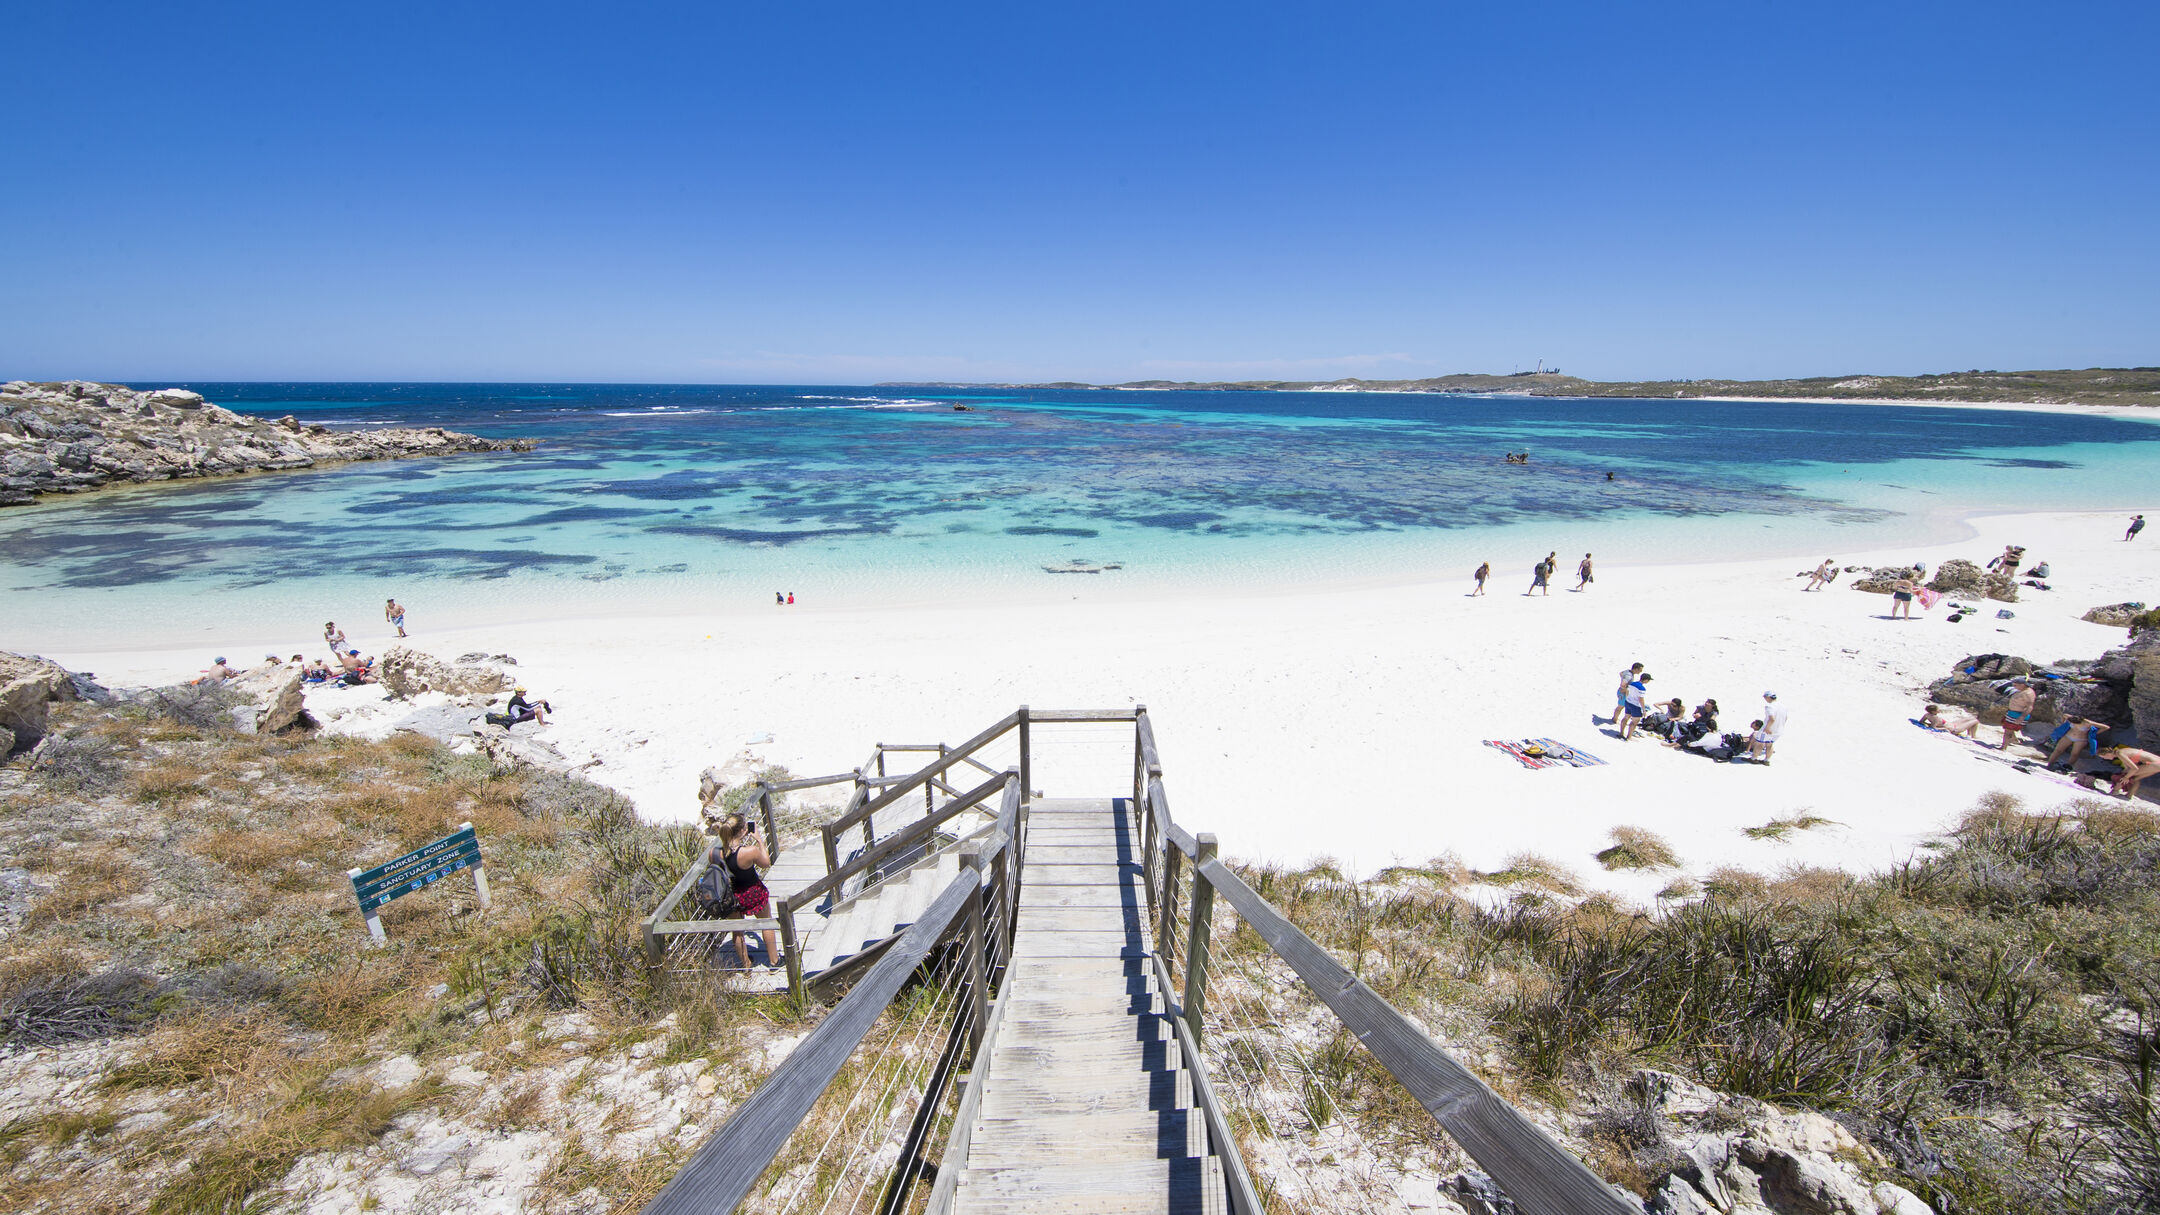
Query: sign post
[{"x": 417, "y": 870}]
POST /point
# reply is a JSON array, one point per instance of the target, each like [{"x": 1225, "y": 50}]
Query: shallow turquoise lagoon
[{"x": 666, "y": 497}]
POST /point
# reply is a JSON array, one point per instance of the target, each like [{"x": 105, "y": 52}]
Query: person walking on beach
[
  {"x": 1484, "y": 571},
  {"x": 335, "y": 636},
  {"x": 1620, "y": 696},
  {"x": 1582, "y": 573},
  {"x": 394, "y": 612},
  {"x": 1822, "y": 576},
  {"x": 2137, "y": 524},
  {"x": 2017, "y": 714}
]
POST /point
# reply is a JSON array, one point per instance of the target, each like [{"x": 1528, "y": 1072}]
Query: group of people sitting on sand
[{"x": 1695, "y": 731}]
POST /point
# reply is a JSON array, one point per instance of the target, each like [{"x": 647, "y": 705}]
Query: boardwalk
[{"x": 1085, "y": 1103}]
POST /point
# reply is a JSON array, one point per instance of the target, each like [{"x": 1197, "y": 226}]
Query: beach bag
[
  {"x": 2005, "y": 614},
  {"x": 716, "y": 891}
]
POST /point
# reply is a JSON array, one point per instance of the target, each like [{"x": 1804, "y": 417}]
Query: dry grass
[
  {"x": 1536, "y": 872},
  {"x": 1635, "y": 848},
  {"x": 1779, "y": 828},
  {"x": 195, "y": 904}
]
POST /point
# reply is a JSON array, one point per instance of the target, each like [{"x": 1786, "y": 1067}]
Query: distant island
[{"x": 2091, "y": 386}]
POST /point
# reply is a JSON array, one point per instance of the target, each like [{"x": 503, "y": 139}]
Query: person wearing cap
[
  {"x": 358, "y": 670},
  {"x": 218, "y": 672},
  {"x": 522, "y": 710},
  {"x": 2017, "y": 714}
]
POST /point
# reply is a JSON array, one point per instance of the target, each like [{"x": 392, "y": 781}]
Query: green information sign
[{"x": 417, "y": 870}]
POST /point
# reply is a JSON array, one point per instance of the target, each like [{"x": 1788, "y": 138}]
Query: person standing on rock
[
  {"x": 2017, "y": 714},
  {"x": 2137, "y": 524},
  {"x": 394, "y": 612}
]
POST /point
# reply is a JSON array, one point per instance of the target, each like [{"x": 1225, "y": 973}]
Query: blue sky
[{"x": 849, "y": 193}]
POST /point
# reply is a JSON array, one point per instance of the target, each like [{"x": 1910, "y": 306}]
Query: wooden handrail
[
  {"x": 907, "y": 836},
  {"x": 1079, "y": 715},
  {"x": 807, "y": 782},
  {"x": 1148, "y": 755},
  {"x": 726, "y": 1167},
  {"x": 936, "y": 767},
  {"x": 1533, "y": 1170}
]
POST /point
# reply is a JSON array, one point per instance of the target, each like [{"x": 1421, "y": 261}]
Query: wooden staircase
[{"x": 1085, "y": 1104}]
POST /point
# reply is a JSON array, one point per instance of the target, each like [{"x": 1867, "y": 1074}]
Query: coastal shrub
[
  {"x": 1636, "y": 848},
  {"x": 202, "y": 707},
  {"x": 77, "y": 763},
  {"x": 1779, "y": 828}
]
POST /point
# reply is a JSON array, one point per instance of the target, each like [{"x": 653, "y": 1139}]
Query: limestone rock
[
  {"x": 273, "y": 695},
  {"x": 28, "y": 687},
  {"x": 1677, "y": 1197},
  {"x": 408, "y": 672},
  {"x": 7, "y": 742},
  {"x": 1884, "y": 579},
  {"x": 2144, "y": 699},
  {"x": 1957, "y": 577},
  {"x": 1894, "y": 1199},
  {"x": 2114, "y": 615},
  {"x": 1671, "y": 1096},
  {"x": 1794, "y": 1183}
]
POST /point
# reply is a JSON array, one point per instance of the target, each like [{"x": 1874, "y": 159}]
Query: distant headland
[{"x": 2091, "y": 386}]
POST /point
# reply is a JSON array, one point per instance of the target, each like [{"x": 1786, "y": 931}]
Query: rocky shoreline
[{"x": 74, "y": 436}]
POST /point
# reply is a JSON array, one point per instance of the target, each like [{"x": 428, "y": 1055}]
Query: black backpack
[{"x": 716, "y": 889}]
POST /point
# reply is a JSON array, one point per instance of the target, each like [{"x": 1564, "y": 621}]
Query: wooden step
[
  {"x": 1054, "y": 1139},
  {"x": 1008, "y": 1096},
  {"x": 1030, "y": 1028},
  {"x": 1081, "y": 919},
  {"x": 1079, "y": 945},
  {"x": 1124, "y": 879},
  {"x": 1189, "y": 1186},
  {"x": 1049, "y": 1057},
  {"x": 1113, "y": 894}
]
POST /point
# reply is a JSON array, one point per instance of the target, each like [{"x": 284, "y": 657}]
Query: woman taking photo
[{"x": 741, "y": 853}]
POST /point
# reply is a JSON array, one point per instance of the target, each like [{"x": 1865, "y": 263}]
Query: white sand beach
[{"x": 1335, "y": 723}]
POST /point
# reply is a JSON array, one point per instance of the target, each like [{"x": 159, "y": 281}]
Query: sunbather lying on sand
[{"x": 1952, "y": 720}]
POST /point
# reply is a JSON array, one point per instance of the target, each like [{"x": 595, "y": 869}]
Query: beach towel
[{"x": 1929, "y": 598}]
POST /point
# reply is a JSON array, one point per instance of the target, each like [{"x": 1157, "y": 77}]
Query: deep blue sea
[{"x": 665, "y": 495}]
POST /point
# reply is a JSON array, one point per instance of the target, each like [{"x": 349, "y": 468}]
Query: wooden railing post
[
  {"x": 772, "y": 829},
  {"x": 791, "y": 952},
  {"x": 1000, "y": 881},
  {"x": 869, "y": 832},
  {"x": 929, "y": 795},
  {"x": 1196, "y": 945},
  {"x": 1027, "y": 767},
  {"x": 1166, "y": 912},
  {"x": 832, "y": 854},
  {"x": 977, "y": 979}
]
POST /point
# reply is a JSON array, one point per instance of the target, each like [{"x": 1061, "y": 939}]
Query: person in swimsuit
[
  {"x": 1951, "y": 721},
  {"x": 1484, "y": 571},
  {"x": 2018, "y": 713},
  {"x": 1582, "y": 573},
  {"x": 2074, "y": 737},
  {"x": 743, "y": 853},
  {"x": 1901, "y": 599},
  {"x": 2137, "y": 524},
  {"x": 335, "y": 636},
  {"x": 2136, "y": 766},
  {"x": 394, "y": 613},
  {"x": 1822, "y": 575}
]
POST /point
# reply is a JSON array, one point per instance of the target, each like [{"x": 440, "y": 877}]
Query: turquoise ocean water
[{"x": 663, "y": 498}]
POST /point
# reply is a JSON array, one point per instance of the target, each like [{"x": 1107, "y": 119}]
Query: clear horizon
[{"x": 977, "y": 194}]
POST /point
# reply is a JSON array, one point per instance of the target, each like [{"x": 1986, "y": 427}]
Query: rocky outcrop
[
  {"x": 28, "y": 688},
  {"x": 272, "y": 696},
  {"x": 2114, "y": 615},
  {"x": 1956, "y": 577},
  {"x": 1740, "y": 1156},
  {"x": 408, "y": 672},
  {"x": 2145, "y": 700},
  {"x": 1882, "y": 580},
  {"x": 2120, "y": 689},
  {"x": 64, "y": 437}
]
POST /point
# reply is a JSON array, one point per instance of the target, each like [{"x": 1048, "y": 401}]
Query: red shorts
[{"x": 755, "y": 900}]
